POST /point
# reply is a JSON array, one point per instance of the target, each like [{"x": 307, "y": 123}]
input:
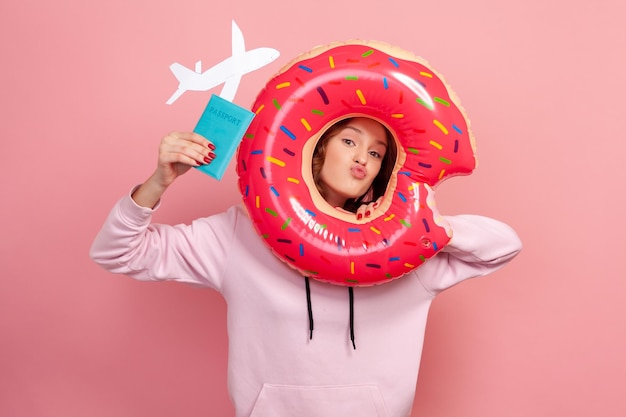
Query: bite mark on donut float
[{"x": 317, "y": 89}]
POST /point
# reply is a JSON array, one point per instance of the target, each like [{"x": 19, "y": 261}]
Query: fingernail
[
  {"x": 207, "y": 160},
  {"x": 211, "y": 146},
  {"x": 212, "y": 155},
  {"x": 368, "y": 213},
  {"x": 359, "y": 216},
  {"x": 375, "y": 205}
]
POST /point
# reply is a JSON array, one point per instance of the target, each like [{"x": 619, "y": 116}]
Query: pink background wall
[{"x": 83, "y": 97}]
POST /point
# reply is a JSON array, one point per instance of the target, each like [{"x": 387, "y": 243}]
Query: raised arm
[
  {"x": 178, "y": 152},
  {"x": 129, "y": 244},
  {"x": 479, "y": 246}
]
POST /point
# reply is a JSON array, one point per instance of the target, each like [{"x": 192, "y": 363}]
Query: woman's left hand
[{"x": 366, "y": 210}]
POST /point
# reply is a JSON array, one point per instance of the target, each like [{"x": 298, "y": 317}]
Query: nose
[{"x": 360, "y": 157}]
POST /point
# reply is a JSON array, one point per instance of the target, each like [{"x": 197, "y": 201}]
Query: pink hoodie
[{"x": 275, "y": 369}]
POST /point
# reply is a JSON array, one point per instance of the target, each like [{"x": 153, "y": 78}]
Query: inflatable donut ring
[{"x": 317, "y": 89}]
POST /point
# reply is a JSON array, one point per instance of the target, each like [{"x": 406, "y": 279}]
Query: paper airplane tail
[{"x": 181, "y": 72}]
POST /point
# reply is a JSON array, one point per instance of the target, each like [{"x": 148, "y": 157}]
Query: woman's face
[{"x": 353, "y": 159}]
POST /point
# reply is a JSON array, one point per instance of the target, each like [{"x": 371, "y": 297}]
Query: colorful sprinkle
[
  {"x": 283, "y": 85},
  {"x": 385, "y": 83},
  {"x": 307, "y": 69},
  {"x": 352, "y": 267},
  {"x": 405, "y": 173},
  {"x": 276, "y": 104},
  {"x": 423, "y": 103},
  {"x": 293, "y": 180},
  {"x": 274, "y": 191},
  {"x": 354, "y": 230},
  {"x": 352, "y": 78},
  {"x": 263, "y": 173},
  {"x": 456, "y": 146},
  {"x": 261, "y": 107},
  {"x": 402, "y": 197},
  {"x": 317, "y": 112},
  {"x": 306, "y": 124},
  {"x": 271, "y": 212},
  {"x": 435, "y": 247},
  {"x": 331, "y": 61},
  {"x": 361, "y": 97},
  {"x": 286, "y": 224},
  {"x": 442, "y": 173},
  {"x": 288, "y": 133},
  {"x": 426, "y": 74},
  {"x": 394, "y": 259},
  {"x": 440, "y": 126},
  {"x": 393, "y": 62},
  {"x": 458, "y": 130},
  {"x": 289, "y": 152},
  {"x": 288, "y": 241},
  {"x": 408, "y": 265},
  {"x": 367, "y": 53},
  {"x": 301, "y": 249},
  {"x": 426, "y": 226},
  {"x": 405, "y": 223},
  {"x": 322, "y": 93},
  {"x": 436, "y": 145},
  {"x": 389, "y": 217},
  {"x": 373, "y": 266},
  {"x": 247, "y": 189},
  {"x": 424, "y": 165},
  {"x": 276, "y": 161},
  {"x": 257, "y": 201},
  {"x": 397, "y": 116},
  {"x": 413, "y": 150},
  {"x": 256, "y": 152},
  {"x": 445, "y": 160},
  {"x": 442, "y": 101},
  {"x": 375, "y": 230}
]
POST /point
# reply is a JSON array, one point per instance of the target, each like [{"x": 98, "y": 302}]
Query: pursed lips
[{"x": 358, "y": 171}]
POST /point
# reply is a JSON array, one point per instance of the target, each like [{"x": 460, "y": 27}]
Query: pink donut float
[{"x": 317, "y": 89}]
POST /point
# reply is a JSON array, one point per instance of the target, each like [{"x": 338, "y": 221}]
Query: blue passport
[{"x": 224, "y": 124}]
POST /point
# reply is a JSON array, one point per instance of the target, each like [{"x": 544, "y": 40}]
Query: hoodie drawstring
[
  {"x": 310, "y": 310},
  {"x": 309, "y": 307},
  {"x": 351, "y": 295}
]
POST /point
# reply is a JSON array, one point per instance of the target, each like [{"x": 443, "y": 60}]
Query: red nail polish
[
  {"x": 212, "y": 155},
  {"x": 359, "y": 216},
  {"x": 211, "y": 146},
  {"x": 207, "y": 160},
  {"x": 367, "y": 213}
]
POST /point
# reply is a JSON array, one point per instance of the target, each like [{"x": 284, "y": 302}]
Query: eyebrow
[{"x": 361, "y": 132}]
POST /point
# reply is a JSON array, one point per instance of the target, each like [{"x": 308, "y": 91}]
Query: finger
[
  {"x": 360, "y": 212},
  {"x": 195, "y": 138},
  {"x": 176, "y": 145}
]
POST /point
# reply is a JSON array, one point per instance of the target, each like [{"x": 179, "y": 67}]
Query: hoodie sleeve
[
  {"x": 195, "y": 254},
  {"x": 479, "y": 246}
]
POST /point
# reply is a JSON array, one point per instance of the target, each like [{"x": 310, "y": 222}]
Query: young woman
[{"x": 275, "y": 367}]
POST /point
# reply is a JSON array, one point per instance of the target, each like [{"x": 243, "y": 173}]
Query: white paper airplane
[{"x": 228, "y": 72}]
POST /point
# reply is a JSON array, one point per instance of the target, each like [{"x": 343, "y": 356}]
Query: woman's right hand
[{"x": 178, "y": 152}]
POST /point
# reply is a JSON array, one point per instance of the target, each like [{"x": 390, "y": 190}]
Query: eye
[
  {"x": 348, "y": 141},
  {"x": 375, "y": 154}
]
